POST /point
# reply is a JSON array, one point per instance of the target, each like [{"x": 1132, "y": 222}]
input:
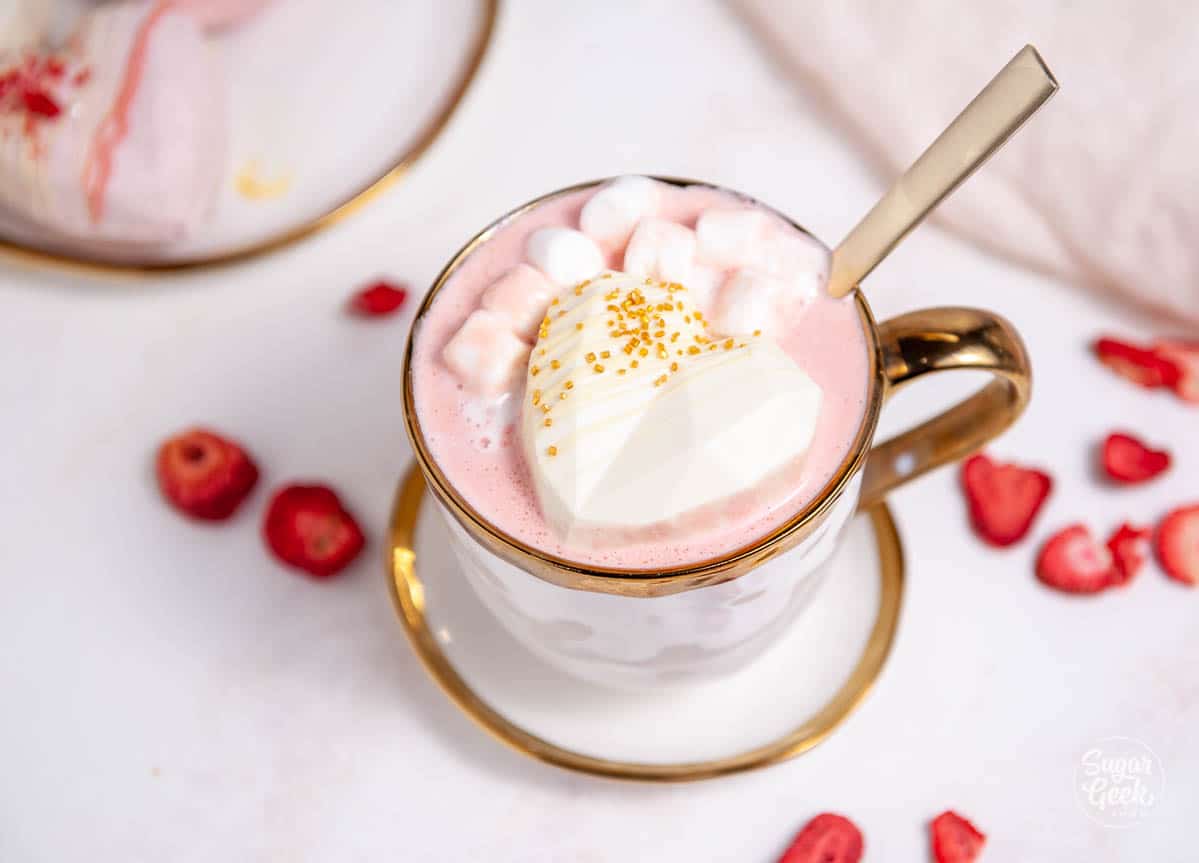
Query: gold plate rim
[
  {"x": 14, "y": 252},
  {"x": 407, "y": 594}
]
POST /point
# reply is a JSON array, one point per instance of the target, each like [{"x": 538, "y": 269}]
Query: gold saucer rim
[
  {"x": 407, "y": 595},
  {"x": 20, "y": 254}
]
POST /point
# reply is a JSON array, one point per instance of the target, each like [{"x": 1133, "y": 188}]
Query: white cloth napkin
[{"x": 1101, "y": 187}]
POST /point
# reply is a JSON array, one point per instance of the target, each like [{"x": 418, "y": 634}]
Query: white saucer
[
  {"x": 781, "y": 705},
  {"x": 330, "y": 102}
]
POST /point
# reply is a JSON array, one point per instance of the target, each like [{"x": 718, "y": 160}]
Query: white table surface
[{"x": 170, "y": 693}]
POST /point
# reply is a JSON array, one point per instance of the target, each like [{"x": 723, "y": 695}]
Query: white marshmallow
[
  {"x": 729, "y": 239},
  {"x": 748, "y": 304},
  {"x": 704, "y": 286},
  {"x": 485, "y": 354},
  {"x": 521, "y": 296},
  {"x": 565, "y": 255},
  {"x": 661, "y": 250},
  {"x": 788, "y": 254},
  {"x": 611, "y": 214}
]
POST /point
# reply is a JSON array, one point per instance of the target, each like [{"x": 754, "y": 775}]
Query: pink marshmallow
[
  {"x": 485, "y": 354},
  {"x": 521, "y": 296}
]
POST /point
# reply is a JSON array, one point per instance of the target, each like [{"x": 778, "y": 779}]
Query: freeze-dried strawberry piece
[
  {"x": 307, "y": 527},
  {"x": 1127, "y": 548},
  {"x": 1185, "y": 357},
  {"x": 1177, "y": 544},
  {"x": 204, "y": 475},
  {"x": 1003, "y": 498},
  {"x": 827, "y": 838},
  {"x": 1139, "y": 365},
  {"x": 378, "y": 300},
  {"x": 1072, "y": 561},
  {"x": 1127, "y": 460},
  {"x": 955, "y": 840}
]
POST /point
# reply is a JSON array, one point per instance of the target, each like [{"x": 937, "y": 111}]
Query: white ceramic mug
[{"x": 637, "y": 629}]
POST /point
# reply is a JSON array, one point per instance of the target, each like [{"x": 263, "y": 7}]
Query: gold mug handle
[{"x": 938, "y": 340}]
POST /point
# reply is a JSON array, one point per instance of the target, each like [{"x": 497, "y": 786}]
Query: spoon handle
[{"x": 1012, "y": 96}]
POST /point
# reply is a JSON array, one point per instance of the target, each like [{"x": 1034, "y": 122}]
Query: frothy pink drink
[{"x": 486, "y": 394}]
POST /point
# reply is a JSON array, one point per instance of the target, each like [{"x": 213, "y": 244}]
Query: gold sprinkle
[
  {"x": 554, "y": 364},
  {"x": 713, "y": 347},
  {"x": 536, "y": 397},
  {"x": 633, "y": 364},
  {"x": 611, "y": 323},
  {"x": 598, "y": 368},
  {"x": 621, "y": 371},
  {"x": 554, "y": 301},
  {"x": 570, "y": 385},
  {"x": 545, "y": 409},
  {"x": 579, "y": 325},
  {"x": 687, "y": 319},
  {"x": 534, "y": 370},
  {"x": 642, "y": 352},
  {"x": 674, "y": 337},
  {"x": 553, "y": 450},
  {"x": 679, "y": 352},
  {"x": 590, "y": 356},
  {"x": 562, "y": 313},
  {"x": 548, "y": 422},
  {"x": 674, "y": 367},
  {"x": 728, "y": 345},
  {"x": 562, "y": 396},
  {"x": 541, "y": 353},
  {"x": 605, "y": 355},
  {"x": 699, "y": 316},
  {"x": 659, "y": 334},
  {"x": 693, "y": 350},
  {"x": 757, "y": 332}
]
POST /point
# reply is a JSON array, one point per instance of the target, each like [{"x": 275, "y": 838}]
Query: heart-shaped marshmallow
[{"x": 634, "y": 415}]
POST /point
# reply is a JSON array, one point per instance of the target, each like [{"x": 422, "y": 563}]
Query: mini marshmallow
[
  {"x": 748, "y": 303},
  {"x": 611, "y": 214},
  {"x": 789, "y": 254},
  {"x": 485, "y": 354},
  {"x": 704, "y": 285},
  {"x": 565, "y": 255},
  {"x": 662, "y": 250},
  {"x": 730, "y": 239},
  {"x": 521, "y": 296}
]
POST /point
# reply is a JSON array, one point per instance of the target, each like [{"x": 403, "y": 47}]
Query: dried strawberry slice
[
  {"x": 1185, "y": 357},
  {"x": 204, "y": 475},
  {"x": 955, "y": 840},
  {"x": 378, "y": 300},
  {"x": 1073, "y": 562},
  {"x": 1127, "y": 548},
  {"x": 1003, "y": 498},
  {"x": 827, "y": 838},
  {"x": 1178, "y": 544},
  {"x": 1127, "y": 460},
  {"x": 307, "y": 527},
  {"x": 38, "y": 102},
  {"x": 1143, "y": 367}
]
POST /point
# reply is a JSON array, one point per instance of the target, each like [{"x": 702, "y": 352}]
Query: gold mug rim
[{"x": 640, "y": 581}]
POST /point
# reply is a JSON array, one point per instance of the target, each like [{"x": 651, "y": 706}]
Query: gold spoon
[{"x": 1012, "y": 96}]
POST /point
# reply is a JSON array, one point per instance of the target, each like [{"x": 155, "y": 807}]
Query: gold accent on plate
[
  {"x": 17, "y": 253},
  {"x": 901, "y": 350},
  {"x": 408, "y": 596},
  {"x": 977, "y": 133}
]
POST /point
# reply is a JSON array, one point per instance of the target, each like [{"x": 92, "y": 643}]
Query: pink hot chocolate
[{"x": 478, "y": 449}]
